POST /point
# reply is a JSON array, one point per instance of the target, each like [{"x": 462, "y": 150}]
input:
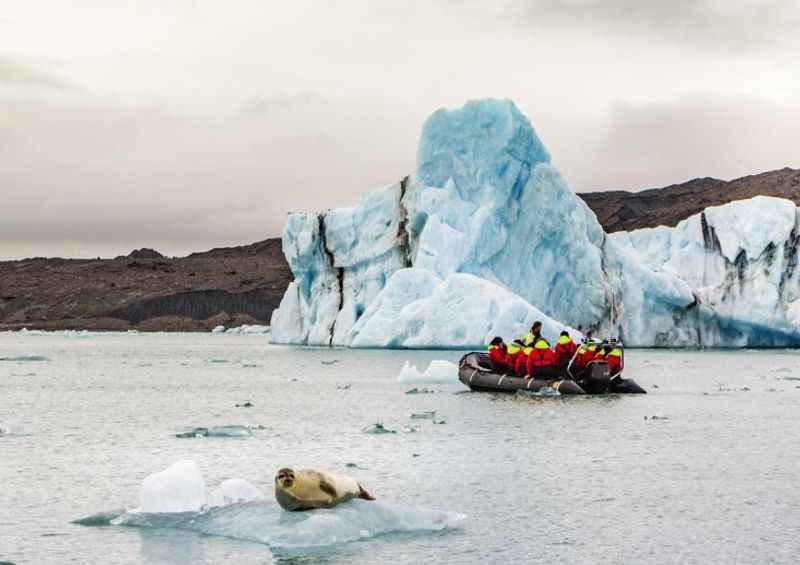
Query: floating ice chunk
[
  {"x": 218, "y": 330},
  {"x": 265, "y": 522},
  {"x": 234, "y": 491},
  {"x": 179, "y": 488},
  {"x": 424, "y": 415},
  {"x": 30, "y": 357},
  {"x": 377, "y": 429},
  {"x": 248, "y": 329},
  {"x": 439, "y": 371},
  {"x": 231, "y": 430}
]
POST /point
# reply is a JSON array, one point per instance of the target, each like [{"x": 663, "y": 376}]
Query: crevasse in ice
[{"x": 487, "y": 236}]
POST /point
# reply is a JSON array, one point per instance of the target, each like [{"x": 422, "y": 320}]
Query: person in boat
[
  {"x": 536, "y": 332},
  {"x": 565, "y": 349},
  {"x": 513, "y": 353},
  {"x": 520, "y": 367},
  {"x": 542, "y": 362},
  {"x": 498, "y": 353},
  {"x": 614, "y": 357},
  {"x": 577, "y": 367}
]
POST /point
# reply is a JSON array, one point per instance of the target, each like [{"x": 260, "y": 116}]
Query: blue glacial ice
[
  {"x": 176, "y": 498},
  {"x": 486, "y": 237}
]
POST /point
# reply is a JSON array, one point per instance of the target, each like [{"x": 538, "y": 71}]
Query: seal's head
[{"x": 284, "y": 478}]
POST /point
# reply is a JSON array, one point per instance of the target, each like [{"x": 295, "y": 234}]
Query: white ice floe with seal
[
  {"x": 176, "y": 499},
  {"x": 439, "y": 371}
]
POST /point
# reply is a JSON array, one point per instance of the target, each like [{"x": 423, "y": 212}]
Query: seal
[{"x": 306, "y": 489}]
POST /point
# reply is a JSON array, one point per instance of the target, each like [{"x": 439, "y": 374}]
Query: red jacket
[
  {"x": 585, "y": 354},
  {"x": 614, "y": 359},
  {"x": 498, "y": 355},
  {"x": 514, "y": 352},
  {"x": 540, "y": 356},
  {"x": 565, "y": 349},
  {"x": 520, "y": 363}
]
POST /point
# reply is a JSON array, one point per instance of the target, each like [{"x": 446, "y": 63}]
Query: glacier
[{"x": 486, "y": 237}]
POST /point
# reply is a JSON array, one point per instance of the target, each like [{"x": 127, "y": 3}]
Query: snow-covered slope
[{"x": 394, "y": 271}]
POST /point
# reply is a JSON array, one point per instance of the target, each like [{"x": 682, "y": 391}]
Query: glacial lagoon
[{"x": 703, "y": 469}]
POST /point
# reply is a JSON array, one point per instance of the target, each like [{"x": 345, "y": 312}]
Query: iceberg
[{"x": 486, "y": 237}]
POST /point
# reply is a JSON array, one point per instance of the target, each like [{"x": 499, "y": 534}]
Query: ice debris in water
[
  {"x": 215, "y": 431},
  {"x": 25, "y": 358},
  {"x": 175, "y": 498},
  {"x": 181, "y": 488},
  {"x": 178, "y": 488},
  {"x": 424, "y": 415},
  {"x": 416, "y": 390},
  {"x": 234, "y": 491},
  {"x": 545, "y": 391},
  {"x": 248, "y": 329},
  {"x": 378, "y": 428},
  {"x": 438, "y": 371}
]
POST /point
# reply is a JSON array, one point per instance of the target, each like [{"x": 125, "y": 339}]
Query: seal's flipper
[
  {"x": 364, "y": 494},
  {"x": 327, "y": 488}
]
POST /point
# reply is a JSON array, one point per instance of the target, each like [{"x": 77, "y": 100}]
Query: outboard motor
[{"x": 597, "y": 380}]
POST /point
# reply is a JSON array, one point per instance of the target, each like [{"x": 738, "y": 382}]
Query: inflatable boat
[{"x": 477, "y": 371}]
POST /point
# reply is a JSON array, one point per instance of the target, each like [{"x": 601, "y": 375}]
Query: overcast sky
[{"x": 189, "y": 124}]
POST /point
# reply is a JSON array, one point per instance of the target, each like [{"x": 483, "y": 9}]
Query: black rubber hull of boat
[{"x": 475, "y": 370}]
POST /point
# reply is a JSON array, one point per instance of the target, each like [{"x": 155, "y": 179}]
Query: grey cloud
[
  {"x": 651, "y": 145},
  {"x": 718, "y": 24},
  {"x": 80, "y": 176}
]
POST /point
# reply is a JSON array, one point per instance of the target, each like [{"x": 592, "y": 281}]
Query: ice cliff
[{"x": 486, "y": 236}]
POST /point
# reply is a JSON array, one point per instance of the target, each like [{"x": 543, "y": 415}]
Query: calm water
[{"x": 712, "y": 480}]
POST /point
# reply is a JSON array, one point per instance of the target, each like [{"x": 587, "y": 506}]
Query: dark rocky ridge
[
  {"x": 237, "y": 285},
  {"x": 145, "y": 290},
  {"x": 624, "y": 211}
]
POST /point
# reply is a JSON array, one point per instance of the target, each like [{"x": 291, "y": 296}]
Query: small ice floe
[
  {"x": 355, "y": 466},
  {"x": 218, "y": 330},
  {"x": 378, "y": 429},
  {"x": 343, "y": 387},
  {"x": 409, "y": 430},
  {"x": 331, "y": 362},
  {"x": 545, "y": 391},
  {"x": 656, "y": 417},
  {"x": 248, "y": 329},
  {"x": 217, "y": 360},
  {"x": 438, "y": 371},
  {"x": 416, "y": 390},
  {"x": 177, "y": 498},
  {"x": 780, "y": 369},
  {"x": 424, "y": 415},
  {"x": 439, "y": 422},
  {"x": 29, "y": 357},
  {"x": 215, "y": 431},
  {"x": 245, "y": 404}
]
